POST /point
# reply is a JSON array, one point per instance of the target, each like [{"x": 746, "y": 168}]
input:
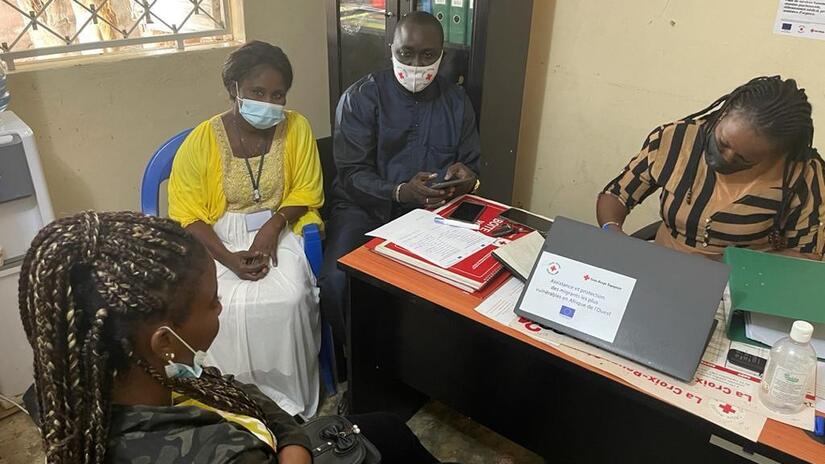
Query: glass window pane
[
  {"x": 71, "y": 25},
  {"x": 363, "y": 45}
]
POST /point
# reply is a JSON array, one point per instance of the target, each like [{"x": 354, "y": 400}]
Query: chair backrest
[
  {"x": 157, "y": 171},
  {"x": 329, "y": 170}
]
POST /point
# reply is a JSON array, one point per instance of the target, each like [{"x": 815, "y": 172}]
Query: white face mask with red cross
[{"x": 415, "y": 78}]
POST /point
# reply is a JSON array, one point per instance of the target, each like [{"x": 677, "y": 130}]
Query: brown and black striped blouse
[{"x": 700, "y": 214}]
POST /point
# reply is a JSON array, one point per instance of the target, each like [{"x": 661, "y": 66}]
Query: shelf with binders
[{"x": 456, "y": 18}]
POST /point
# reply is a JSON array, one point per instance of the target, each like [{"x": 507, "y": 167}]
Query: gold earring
[{"x": 169, "y": 356}]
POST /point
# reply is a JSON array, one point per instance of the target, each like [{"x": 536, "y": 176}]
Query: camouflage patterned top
[{"x": 188, "y": 434}]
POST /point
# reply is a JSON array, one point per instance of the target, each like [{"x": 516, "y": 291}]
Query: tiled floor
[
  {"x": 19, "y": 441},
  {"x": 447, "y": 434}
]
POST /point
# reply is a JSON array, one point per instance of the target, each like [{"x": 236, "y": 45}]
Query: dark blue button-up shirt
[{"x": 384, "y": 135}]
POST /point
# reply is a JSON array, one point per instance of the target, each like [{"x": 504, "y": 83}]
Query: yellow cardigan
[{"x": 196, "y": 182}]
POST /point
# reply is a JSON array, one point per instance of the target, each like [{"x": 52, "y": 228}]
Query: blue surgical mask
[
  {"x": 182, "y": 371},
  {"x": 260, "y": 115}
]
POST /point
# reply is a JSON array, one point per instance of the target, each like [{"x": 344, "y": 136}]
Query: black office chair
[
  {"x": 329, "y": 170},
  {"x": 648, "y": 232}
]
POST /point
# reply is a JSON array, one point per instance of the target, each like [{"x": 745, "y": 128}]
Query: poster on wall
[{"x": 801, "y": 18}]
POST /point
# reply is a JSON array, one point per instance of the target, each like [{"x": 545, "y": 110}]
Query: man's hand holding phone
[
  {"x": 418, "y": 192},
  {"x": 458, "y": 177},
  {"x": 424, "y": 190}
]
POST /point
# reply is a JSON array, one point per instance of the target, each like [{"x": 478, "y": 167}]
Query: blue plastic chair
[{"x": 158, "y": 170}]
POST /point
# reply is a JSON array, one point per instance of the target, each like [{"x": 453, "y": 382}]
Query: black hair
[
  {"x": 244, "y": 60},
  {"x": 420, "y": 18},
  {"x": 85, "y": 284},
  {"x": 779, "y": 110}
]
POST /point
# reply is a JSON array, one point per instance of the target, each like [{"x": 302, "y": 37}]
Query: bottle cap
[{"x": 801, "y": 332}]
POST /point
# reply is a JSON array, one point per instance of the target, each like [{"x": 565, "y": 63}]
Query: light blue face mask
[
  {"x": 260, "y": 115},
  {"x": 182, "y": 371}
]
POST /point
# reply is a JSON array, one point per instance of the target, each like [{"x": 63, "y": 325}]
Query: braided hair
[
  {"x": 85, "y": 284},
  {"x": 779, "y": 110}
]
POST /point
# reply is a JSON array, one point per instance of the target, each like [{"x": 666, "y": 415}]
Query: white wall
[{"x": 602, "y": 73}]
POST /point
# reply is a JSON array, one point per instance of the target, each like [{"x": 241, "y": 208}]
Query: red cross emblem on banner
[
  {"x": 553, "y": 268},
  {"x": 727, "y": 408},
  {"x": 587, "y": 277}
]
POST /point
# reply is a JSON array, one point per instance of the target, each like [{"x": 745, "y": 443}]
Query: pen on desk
[{"x": 454, "y": 223}]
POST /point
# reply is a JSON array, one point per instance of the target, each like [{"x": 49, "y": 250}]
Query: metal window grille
[{"x": 37, "y": 29}]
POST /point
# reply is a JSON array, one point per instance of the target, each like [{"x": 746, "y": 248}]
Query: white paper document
[
  {"x": 768, "y": 329},
  {"x": 582, "y": 297},
  {"x": 801, "y": 18},
  {"x": 440, "y": 244},
  {"x": 500, "y": 306}
]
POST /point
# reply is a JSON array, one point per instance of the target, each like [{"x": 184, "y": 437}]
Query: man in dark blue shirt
[{"x": 397, "y": 132}]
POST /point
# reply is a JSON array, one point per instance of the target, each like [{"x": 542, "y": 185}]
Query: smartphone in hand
[{"x": 445, "y": 184}]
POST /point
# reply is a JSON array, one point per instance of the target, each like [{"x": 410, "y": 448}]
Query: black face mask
[{"x": 716, "y": 162}]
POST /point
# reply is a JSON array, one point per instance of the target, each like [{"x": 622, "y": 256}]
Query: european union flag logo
[
  {"x": 567, "y": 312},
  {"x": 786, "y": 26}
]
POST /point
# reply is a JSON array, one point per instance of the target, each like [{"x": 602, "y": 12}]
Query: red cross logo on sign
[
  {"x": 727, "y": 411},
  {"x": 727, "y": 408},
  {"x": 553, "y": 268},
  {"x": 587, "y": 277}
]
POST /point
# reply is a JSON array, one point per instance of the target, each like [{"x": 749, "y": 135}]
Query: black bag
[{"x": 335, "y": 440}]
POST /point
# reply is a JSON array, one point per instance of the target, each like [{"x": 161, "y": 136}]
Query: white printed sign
[
  {"x": 582, "y": 297},
  {"x": 801, "y": 18}
]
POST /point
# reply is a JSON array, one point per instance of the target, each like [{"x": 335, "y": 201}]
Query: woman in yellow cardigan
[{"x": 245, "y": 182}]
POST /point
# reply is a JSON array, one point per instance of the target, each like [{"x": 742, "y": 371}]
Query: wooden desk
[{"x": 413, "y": 338}]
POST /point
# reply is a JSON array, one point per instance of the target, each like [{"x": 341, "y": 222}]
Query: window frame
[{"x": 223, "y": 33}]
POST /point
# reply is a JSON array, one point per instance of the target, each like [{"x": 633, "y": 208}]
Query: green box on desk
[{"x": 773, "y": 284}]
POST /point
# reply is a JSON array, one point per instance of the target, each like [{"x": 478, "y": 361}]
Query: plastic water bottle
[
  {"x": 790, "y": 368},
  {"x": 5, "y": 98}
]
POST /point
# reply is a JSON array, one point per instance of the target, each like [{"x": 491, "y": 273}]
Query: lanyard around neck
[{"x": 256, "y": 182}]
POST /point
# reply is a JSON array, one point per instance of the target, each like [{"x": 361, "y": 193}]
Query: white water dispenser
[{"x": 25, "y": 207}]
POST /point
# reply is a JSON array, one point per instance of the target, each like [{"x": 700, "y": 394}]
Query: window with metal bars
[{"x": 32, "y": 30}]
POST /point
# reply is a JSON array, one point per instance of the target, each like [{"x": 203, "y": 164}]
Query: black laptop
[{"x": 670, "y": 312}]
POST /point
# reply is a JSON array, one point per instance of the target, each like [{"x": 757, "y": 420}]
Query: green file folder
[
  {"x": 458, "y": 22},
  {"x": 441, "y": 11},
  {"x": 773, "y": 284}
]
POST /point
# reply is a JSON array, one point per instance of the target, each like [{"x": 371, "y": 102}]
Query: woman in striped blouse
[{"x": 742, "y": 172}]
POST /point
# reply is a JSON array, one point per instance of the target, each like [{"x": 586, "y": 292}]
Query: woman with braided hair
[
  {"x": 119, "y": 309},
  {"x": 741, "y": 172}
]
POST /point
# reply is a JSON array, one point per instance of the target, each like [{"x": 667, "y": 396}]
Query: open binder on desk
[{"x": 768, "y": 284}]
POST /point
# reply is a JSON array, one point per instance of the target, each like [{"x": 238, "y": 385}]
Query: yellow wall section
[
  {"x": 602, "y": 74},
  {"x": 98, "y": 122}
]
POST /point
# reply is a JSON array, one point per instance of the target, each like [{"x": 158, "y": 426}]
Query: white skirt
[{"x": 270, "y": 333}]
